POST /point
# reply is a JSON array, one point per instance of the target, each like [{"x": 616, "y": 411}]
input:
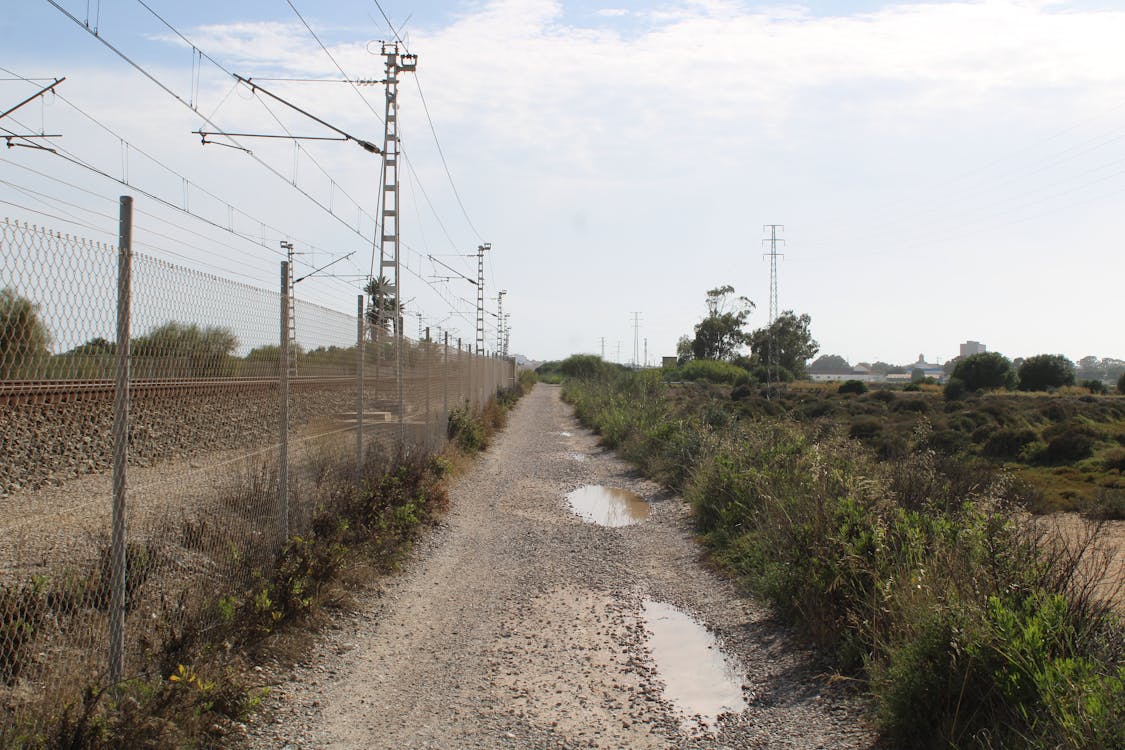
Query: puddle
[
  {"x": 699, "y": 679},
  {"x": 577, "y": 456},
  {"x": 608, "y": 506}
]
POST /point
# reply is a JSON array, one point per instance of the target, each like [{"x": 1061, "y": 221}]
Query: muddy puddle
[
  {"x": 699, "y": 679},
  {"x": 608, "y": 506}
]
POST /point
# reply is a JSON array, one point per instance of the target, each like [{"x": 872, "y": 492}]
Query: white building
[{"x": 973, "y": 347}]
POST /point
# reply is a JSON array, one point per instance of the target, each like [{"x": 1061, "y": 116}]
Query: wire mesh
[{"x": 204, "y": 517}]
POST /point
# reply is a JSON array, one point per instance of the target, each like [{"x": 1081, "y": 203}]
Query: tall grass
[{"x": 919, "y": 573}]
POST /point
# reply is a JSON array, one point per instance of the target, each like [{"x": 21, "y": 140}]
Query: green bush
[
  {"x": 466, "y": 430},
  {"x": 955, "y": 389},
  {"x": 1095, "y": 386},
  {"x": 24, "y": 339},
  {"x": 1045, "y": 371},
  {"x": 1121, "y": 384},
  {"x": 913, "y": 570},
  {"x": 713, "y": 371},
  {"x": 984, "y": 371},
  {"x": 852, "y": 386},
  {"x": 584, "y": 366},
  {"x": 1007, "y": 443}
]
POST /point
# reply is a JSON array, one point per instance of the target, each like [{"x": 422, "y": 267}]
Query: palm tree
[{"x": 383, "y": 305}]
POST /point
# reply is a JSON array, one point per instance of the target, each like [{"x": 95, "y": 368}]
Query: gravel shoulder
[{"x": 517, "y": 624}]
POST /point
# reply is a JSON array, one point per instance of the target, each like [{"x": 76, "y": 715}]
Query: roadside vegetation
[
  {"x": 197, "y": 675},
  {"x": 862, "y": 518}
]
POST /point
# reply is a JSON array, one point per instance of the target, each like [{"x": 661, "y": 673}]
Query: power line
[{"x": 163, "y": 87}]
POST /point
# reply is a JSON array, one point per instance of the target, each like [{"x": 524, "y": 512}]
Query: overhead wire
[
  {"x": 163, "y": 87},
  {"x": 66, "y": 155}
]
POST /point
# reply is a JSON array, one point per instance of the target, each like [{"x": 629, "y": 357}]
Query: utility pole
[
  {"x": 389, "y": 256},
  {"x": 603, "y": 348},
  {"x": 646, "y": 351},
  {"x": 618, "y": 360},
  {"x": 772, "y": 365},
  {"x": 291, "y": 364},
  {"x": 636, "y": 339},
  {"x": 500, "y": 322},
  {"x": 507, "y": 332},
  {"x": 480, "y": 296}
]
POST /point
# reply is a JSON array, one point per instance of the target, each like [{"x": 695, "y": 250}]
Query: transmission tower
[
  {"x": 636, "y": 339},
  {"x": 480, "y": 296},
  {"x": 291, "y": 360},
  {"x": 500, "y": 321},
  {"x": 772, "y": 365},
  {"x": 389, "y": 257}
]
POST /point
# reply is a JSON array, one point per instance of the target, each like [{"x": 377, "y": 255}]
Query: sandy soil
[{"x": 517, "y": 624}]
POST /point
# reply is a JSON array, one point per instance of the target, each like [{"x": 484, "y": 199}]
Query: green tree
[
  {"x": 1121, "y": 384},
  {"x": 984, "y": 371},
  {"x": 795, "y": 344},
  {"x": 381, "y": 308},
  {"x": 184, "y": 350},
  {"x": 1045, "y": 371},
  {"x": 24, "y": 339},
  {"x": 1090, "y": 368},
  {"x": 720, "y": 335},
  {"x": 830, "y": 363}
]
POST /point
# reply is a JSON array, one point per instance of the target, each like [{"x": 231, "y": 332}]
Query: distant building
[
  {"x": 668, "y": 361},
  {"x": 929, "y": 369},
  {"x": 973, "y": 347}
]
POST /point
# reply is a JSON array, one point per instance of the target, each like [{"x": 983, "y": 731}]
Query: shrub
[
  {"x": 466, "y": 430},
  {"x": 883, "y": 395},
  {"x": 852, "y": 386},
  {"x": 1121, "y": 383},
  {"x": 1045, "y": 371},
  {"x": 865, "y": 429},
  {"x": 955, "y": 389},
  {"x": 984, "y": 371},
  {"x": 912, "y": 404},
  {"x": 740, "y": 392},
  {"x": 713, "y": 371},
  {"x": 1067, "y": 443},
  {"x": 23, "y": 336},
  {"x": 584, "y": 366},
  {"x": 1095, "y": 386},
  {"x": 1007, "y": 443}
]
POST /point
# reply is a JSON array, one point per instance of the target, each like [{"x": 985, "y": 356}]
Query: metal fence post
[
  {"x": 359, "y": 395},
  {"x": 470, "y": 396},
  {"x": 445, "y": 388},
  {"x": 427, "y": 374},
  {"x": 120, "y": 443},
  {"x": 283, "y": 426}
]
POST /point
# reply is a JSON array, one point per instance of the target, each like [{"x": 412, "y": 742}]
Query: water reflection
[
  {"x": 608, "y": 506},
  {"x": 699, "y": 679}
]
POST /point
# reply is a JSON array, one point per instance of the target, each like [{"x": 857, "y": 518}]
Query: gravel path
[{"x": 518, "y": 625}]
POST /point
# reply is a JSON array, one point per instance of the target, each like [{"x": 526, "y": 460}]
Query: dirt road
[{"x": 518, "y": 624}]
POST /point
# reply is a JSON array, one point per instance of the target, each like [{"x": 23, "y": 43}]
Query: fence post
[
  {"x": 283, "y": 426},
  {"x": 120, "y": 443},
  {"x": 469, "y": 396},
  {"x": 444, "y": 389},
  {"x": 359, "y": 395},
  {"x": 427, "y": 374}
]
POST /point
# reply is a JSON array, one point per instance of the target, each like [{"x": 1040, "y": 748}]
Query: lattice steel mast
[
  {"x": 772, "y": 363},
  {"x": 389, "y": 256}
]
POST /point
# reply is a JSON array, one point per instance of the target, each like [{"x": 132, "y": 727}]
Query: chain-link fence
[{"x": 162, "y": 432}]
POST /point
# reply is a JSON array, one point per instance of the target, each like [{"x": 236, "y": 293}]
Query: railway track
[{"x": 64, "y": 391}]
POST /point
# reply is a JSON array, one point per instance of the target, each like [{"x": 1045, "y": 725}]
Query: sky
[{"x": 943, "y": 171}]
